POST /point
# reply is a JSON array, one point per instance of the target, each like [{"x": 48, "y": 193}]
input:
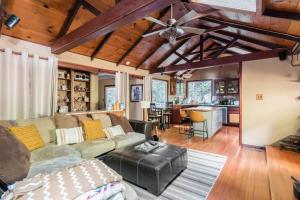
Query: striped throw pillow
[{"x": 69, "y": 135}]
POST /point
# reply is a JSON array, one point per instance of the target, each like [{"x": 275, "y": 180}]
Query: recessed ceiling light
[{"x": 127, "y": 63}]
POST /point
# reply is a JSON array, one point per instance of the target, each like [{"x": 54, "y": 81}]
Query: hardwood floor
[{"x": 245, "y": 174}]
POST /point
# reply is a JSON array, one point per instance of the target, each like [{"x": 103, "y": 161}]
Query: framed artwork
[{"x": 136, "y": 93}]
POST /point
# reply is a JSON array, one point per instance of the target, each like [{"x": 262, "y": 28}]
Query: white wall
[{"x": 277, "y": 115}]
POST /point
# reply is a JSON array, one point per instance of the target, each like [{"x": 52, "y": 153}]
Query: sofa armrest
[{"x": 142, "y": 127}]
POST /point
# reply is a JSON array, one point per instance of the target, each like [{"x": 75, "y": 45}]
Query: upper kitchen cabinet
[
  {"x": 220, "y": 87},
  {"x": 232, "y": 86}
]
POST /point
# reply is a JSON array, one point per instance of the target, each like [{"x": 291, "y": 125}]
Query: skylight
[{"x": 248, "y": 5}]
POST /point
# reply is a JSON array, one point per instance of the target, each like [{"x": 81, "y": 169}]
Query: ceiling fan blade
[
  {"x": 152, "y": 19},
  {"x": 152, "y": 33},
  {"x": 198, "y": 31},
  {"x": 187, "y": 17}
]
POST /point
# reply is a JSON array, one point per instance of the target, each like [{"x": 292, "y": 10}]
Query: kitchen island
[{"x": 214, "y": 117}]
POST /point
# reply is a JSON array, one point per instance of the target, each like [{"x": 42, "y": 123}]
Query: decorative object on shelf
[
  {"x": 63, "y": 109},
  {"x": 81, "y": 77},
  {"x": 61, "y": 74},
  {"x": 136, "y": 92}
]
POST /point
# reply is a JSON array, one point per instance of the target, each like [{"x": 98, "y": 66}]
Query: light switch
[{"x": 259, "y": 97}]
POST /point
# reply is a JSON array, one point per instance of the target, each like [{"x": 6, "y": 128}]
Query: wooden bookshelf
[{"x": 73, "y": 90}]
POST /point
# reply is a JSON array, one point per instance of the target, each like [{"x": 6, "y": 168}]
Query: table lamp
[{"x": 145, "y": 105}]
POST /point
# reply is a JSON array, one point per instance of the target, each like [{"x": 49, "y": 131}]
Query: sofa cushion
[
  {"x": 128, "y": 139},
  {"x": 14, "y": 157},
  {"x": 92, "y": 149},
  {"x": 93, "y": 129},
  {"x": 51, "y": 151},
  {"x": 7, "y": 123},
  {"x": 80, "y": 118},
  {"x": 69, "y": 135},
  {"x": 29, "y": 135},
  {"x": 65, "y": 121},
  {"x": 45, "y": 126},
  {"x": 122, "y": 121},
  {"x": 51, "y": 165},
  {"x": 113, "y": 131},
  {"x": 105, "y": 119}
]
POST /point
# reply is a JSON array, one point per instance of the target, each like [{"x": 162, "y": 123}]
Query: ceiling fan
[{"x": 173, "y": 28}]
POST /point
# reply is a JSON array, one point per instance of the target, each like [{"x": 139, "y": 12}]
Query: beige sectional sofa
[{"x": 52, "y": 157}]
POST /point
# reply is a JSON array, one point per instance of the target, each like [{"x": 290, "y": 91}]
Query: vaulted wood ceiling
[{"x": 42, "y": 20}]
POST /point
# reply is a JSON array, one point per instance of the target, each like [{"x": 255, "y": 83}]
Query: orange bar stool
[
  {"x": 184, "y": 121},
  {"x": 197, "y": 117}
]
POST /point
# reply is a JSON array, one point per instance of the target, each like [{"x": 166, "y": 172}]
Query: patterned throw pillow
[
  {"x": 69, "y": 135},
  {"x": 114, "y": 131},
  {"x": 93, "y": 129},
  {"x": 28, "y": 135}
]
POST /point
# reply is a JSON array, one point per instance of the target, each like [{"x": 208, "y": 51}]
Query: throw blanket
[{"x": 92, "y": 177}]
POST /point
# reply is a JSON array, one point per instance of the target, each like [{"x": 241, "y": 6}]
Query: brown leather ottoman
[{"x": 152, "y": 171}]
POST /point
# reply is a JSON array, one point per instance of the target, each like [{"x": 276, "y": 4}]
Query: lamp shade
[{"x": 145, "y": 104}]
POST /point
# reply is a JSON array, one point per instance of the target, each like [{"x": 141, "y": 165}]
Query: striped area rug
[{"x": 195, "y": 182}]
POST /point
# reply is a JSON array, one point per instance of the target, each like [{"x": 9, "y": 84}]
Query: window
[
  {"x": 110, "y": 96},
  {"x": 159, "y": 91},
  {"x": 200, "y": 91},
  {"x": 180, "y": 89}
]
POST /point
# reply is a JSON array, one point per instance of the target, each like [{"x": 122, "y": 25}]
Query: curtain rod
[{"x": 29, "y": 55}]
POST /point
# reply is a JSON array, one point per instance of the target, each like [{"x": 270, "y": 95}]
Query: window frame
[
  {"x": 167, "y": 88},
  {"x": 107, "y": 86},
  {"x": 202, "y": 80}
]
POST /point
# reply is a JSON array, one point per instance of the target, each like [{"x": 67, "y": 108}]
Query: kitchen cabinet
[
  {"x": 220, "y": 87},
  {"x": 232, "y": 86},
  {"x": 233, "y": 116}
]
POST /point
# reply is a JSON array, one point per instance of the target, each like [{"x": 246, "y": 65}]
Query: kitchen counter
[
  {"x": 213, "y": 115},
  {"x": 210, "y": 105}
]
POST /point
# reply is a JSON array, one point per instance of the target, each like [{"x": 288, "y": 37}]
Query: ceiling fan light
[{"x": 187, "y": 76}]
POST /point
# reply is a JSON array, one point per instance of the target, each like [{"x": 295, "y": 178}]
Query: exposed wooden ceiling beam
[
  {"x": 182, "y": 56},
  {"x": 220, "y": 61},
  {"x": 218, "y": 53},
  {"x": 152, "y": 25},
  {"x": 90, "y": 7},
  {"x": 208, "y": 30},
  {"x": 282, "y": 14},
  {"x": 201, "y": 46},
  {"x": 100, "y": 45},
  {"x": 253, "y": 29},
  {"x": 177, "y": 46},
  {"x": 236, "y": 44},
  {"x": 68, "y": 21},
  {"x": 188, "y": 51},
  {"x": 123, "y": 13}
]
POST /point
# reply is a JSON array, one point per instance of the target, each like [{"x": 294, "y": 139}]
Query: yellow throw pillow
[
  {"x": 93, "y": 129},
  {"x": 28, "y": 135}
]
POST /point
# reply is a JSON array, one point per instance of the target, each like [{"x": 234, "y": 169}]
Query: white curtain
[
  {"x": 27, "y": 86},
  {"x": 147, "y": 87},
  {"x": 122, "y": 89}
]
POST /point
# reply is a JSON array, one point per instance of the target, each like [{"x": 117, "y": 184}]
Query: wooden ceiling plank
[
  {"x": 123, "y": 13},
  {"x": 161, "y": 15},
  {"x": 253, "y": 29},
  {"x": 2, "y": 8},
  {"x": 220, "y": 61},
  {"x": 68, "y": 21},
  {"x": 90, "y": 7},
  {"x": 177, "y": 46},
  {"x": 101, "y": 45},
  {"x": 218, "y": 53}
]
